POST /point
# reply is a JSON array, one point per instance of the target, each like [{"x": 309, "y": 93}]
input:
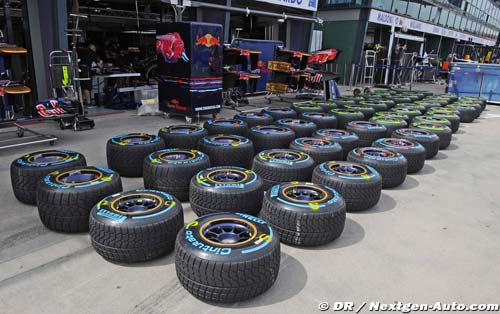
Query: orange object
[{"x": 446, "y": 65}]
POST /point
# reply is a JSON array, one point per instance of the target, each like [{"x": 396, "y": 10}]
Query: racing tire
[
  {"x": 227, "y": 258},
  {"x": 440, "y": 130},
  {"x": 228, "y": 150},
  {"x": 391, "y": 124},
  {"x": 280, "y": 113},
  {"x": 428, "y": 140},
  {"x": 301, "y": 127},
  {"x": 320, "y": 149},
  {"x": 184, "y": 136},
  {"x": 226, "y": 189},
  {"x": 360, "y": 185},
  {"x": 467, "y": 114},
  {"x": 126, "y": 152},
  {"x": 271, "y": 136},
  {"x": 307, "y": 107},
  {"x": 367, "y": 131},
  {"x": 226, "y": 126},
  {"x": 321, "y": 119},
  {"x": 414, "y": 152},
  {"x": 347, "y": 140},
  {"x": 170, "y": 170},
  {"x": 65, "y": 198},
  {"x": 345, "y": 116},
  {"x": 135, "y": 226},
  {"x": 27, "y": 170},
  {"x": 453, "y": 118},
  {"x": 254, "y": 118}
]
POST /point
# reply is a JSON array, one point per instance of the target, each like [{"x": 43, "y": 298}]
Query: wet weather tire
[
  {"x": 360, "y": 185},
  {"x": 321, "y": 119},
  {"x": 65, "y": 199},
  {"x": 347, "y": 140},
  {"x": 301, "y": 127},
  {"x": 271, "y": 136},
  {"x": 27, "y": 171},
  {"x": 254, "y": 119},
  {"x": 182, "y": 136},
  {"x": 228, "y": 150},
  {"x": 226, "y": 189},
  {"x": 440, "y": 130},
  {"x": 135, "y": 226},
  {"x": 427, "y": 139},
  {"x": 227, "y": 257},
  {"x": 125, "y": 153},
  {"x": 226, "y": 126},
  {"x": 304, "y": 213},
  {"x": 367, "y": 131},
  {"x": 414, "y": 152},
  {"x": 320, "y": 149},
  {"x": 171, "y": 170}
]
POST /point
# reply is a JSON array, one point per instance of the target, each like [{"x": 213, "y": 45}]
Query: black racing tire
[
  {"x": 467, "y": 114},
  {"x": 304, "y": 213},
  {"x": 275, "y": 166},
  {"x": 182, "y": 135},
  {"x": 226, "y": 189},
  {"x": 377, "y": 106},
  {"x": 226, "y": 126},
  {"x": 477, "y": 107},
  {"x": 428, "y": 105},
  {"x": 227, "y": 258},
  {"x": 345, "y": 116},
  {"x": 413, "y": 151},
  {"x": 388, "y": 102},
  {"x": 432, "y": 119},
  {"x": 360, "y": 185},
  {"x": 367, "y": 131},
  {"x": 344, "y": 102},
  {"x": 320, "y": 149},
  {"x": 453, "y": 118},
  {"x": 321, "y": 119},
  {"x": 170, "y": 170},
  {"x": 65, "y": 198},
  {"x": 306, "y": 107},
  {"x": 347, "y": 140},
  {"x": 301, "y": 127},
  {"x": 413, "y": 106},
  {"x": 228, "y": 150},
  {"x": 135, "y": 226},
  {"x": 410, "y": 112},
  {"x": 441, "y": 101},
  {"x": 271, "y": 136},
  {"x": 391, "y": 124},
  {"x": 126, "y": 152},
  {"x": 402, "y": 99},
  {"x": 280, "y": 113},
  {"x": 327, "y": 105},
  {"x": 392, "y": 114},
  {"x": 440, "y": 130},
  {"x": 367, "y": 110},
  {"x": 428, "y": 140},
  {"x": 254, "y": 118},
  {"x": 27, "y": 171},
  {"x": 391, "y": 165}
]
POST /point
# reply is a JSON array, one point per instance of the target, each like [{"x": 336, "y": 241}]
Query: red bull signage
[
  {"x": 310, "y": 5},
  {"x": 207, "y": 40}
]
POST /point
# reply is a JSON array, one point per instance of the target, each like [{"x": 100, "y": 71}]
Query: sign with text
[{"x": 311, "y": 5}]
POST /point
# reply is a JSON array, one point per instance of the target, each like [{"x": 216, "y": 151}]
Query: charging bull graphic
[
  {"x": 171, "y": 47},
  {"x": 207, "y": 40}
]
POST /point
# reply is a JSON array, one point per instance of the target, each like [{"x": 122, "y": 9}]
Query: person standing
[{"x": 88, "y": 59}]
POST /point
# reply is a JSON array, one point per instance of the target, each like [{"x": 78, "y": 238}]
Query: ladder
[{"x": 369, "y": 68}]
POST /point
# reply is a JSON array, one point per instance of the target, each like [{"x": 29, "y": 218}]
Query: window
[
  {"x": 382, "y": 5},
  {"x": 399, "y": 6}
]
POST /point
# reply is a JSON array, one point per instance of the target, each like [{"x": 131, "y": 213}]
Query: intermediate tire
[
  {"x": 360, "y": 185},
  {"x": 27, "y": 171},
  {"x": 228, "y": 150},
  {"x": 428, "y": 140},
  {"x": 65, "y": 198},
  {"x": 367, "y": 131},
  {"x": 170, "y": 170},
  {"x": 433, "y": 119},
  {"x": 226, "y": 189},
  {"x": 226, "y": 126},
  {"x": 453, "y": 118},
  {"x": 467, "y": 114},
  {"x": 275, "y": 166},
  {"x": 182, "y": 135},
  {"x": 227, "y": 258},
  {"x": 440, "y": 130},
  {"x": 254, "y": 118},
  {"x": 125, "y": 153},
  {"x": 304, "y": 213},
  {"x": 320, "y": 149},
  {"x": 391, "y": 124},
  {"x": 391, "y": 165},
  {"x": 301, "y": 127},
  {"x": 271, "y": 136},
  {"x": 345, "y": 116},
  {"x": 135, "y": 226},
  {"x": 414, "y": 152},
  {"x": 346, "y": 139},
  {"x": 321, "y": 119},
  {"x": 307, "y": 107}
]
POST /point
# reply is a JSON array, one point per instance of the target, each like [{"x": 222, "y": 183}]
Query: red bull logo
[
  {"x": 171, "y": 47},
  {"x": 207, "y": 40}
]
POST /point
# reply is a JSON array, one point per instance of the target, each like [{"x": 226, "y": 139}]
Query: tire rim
[
  {"x": 316, "y": 142},
  {"x": 227, "y": 176},
  {"x": 398, "y": 142},
  {"x": 271, "y": 129},
  {"x": 183, "y": 128},
  {"x": 78, "y": 177},
  {"x": 305, "y": 193},
  {"x": 135, "y": 204},
  {"x": 48, "y": 158},
  {"x": 226, "y": 122},
  {"x": 177, "y": 155},
  {"x": 378, "y": 153},
  {"x": 226, "y": 140},
  {"x": 284, "y": 155},
  {"x": 348, "y": 169},
  {"x": 228, "y": 232},
  {"x": 136, "y": 138}
]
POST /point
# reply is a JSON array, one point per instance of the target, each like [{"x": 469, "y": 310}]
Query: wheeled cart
[{"x": 189, "y": 68}]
